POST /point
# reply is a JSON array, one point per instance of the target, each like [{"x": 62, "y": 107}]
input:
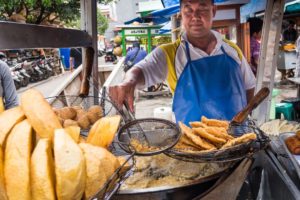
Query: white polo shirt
[{"x": 155, "y": 68}]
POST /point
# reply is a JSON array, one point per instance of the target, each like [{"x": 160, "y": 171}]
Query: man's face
[{"x": 197, "y": 16}]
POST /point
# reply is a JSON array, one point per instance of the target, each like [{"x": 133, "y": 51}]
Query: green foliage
[
  {"x": 102, "y": 23},
  {"x": 36, "y": 11}
]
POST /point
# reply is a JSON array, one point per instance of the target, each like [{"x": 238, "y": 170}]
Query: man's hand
[{"x": 123, "y": 93}]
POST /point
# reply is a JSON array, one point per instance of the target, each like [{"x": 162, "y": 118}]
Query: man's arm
[
  {"x": 9, "y": 89},
  {"x": 151, "y": 70}
]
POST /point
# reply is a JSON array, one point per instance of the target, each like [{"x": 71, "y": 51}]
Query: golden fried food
[
  {"x": 93, "y": 117},
  {"x": 84, "y": 122},
  {"x": 69, "y": 122},
  {"x": 202, "y": 133},
  {"x": 67, "y": 113},
  {"x": 186, "y": 148},
  {"x": 197, "y": 140},
  {"x": 298, "y": 134},
  {"x": 242, "y": 139},
  {"x": 293, "y": 144},
  {"x": 198, "y": 124},
  {"x": 218, "y": 132},
  {"x": 215, "y": 122},
  {"x": 97, "y": 110},
  {"x": 185, "y": 140}
]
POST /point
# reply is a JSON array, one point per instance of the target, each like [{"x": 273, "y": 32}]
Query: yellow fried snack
[
  {"x": 186, "y": 141},
  {"x": 242, "y": 139},
  {"x": 215, "y": 122},
  {"x": 217, "y": 131},
  {"x": 186, "y": 148},
  {"x": 197, "y": 140},
  {"x": 198, "y": 124},
  {"x": 202, "y": 133}
]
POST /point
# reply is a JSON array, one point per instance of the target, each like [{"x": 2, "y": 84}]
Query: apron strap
[
  {"x": 223, "y": 50},
  {"x": 188, "y": 52}
]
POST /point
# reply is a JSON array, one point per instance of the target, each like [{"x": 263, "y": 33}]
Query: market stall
[{"x": 148, "y": 35}]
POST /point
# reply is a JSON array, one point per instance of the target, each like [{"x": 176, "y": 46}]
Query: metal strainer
[{"x": 149, "y": 136}]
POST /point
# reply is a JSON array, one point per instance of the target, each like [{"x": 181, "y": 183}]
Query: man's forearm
[{"x": 135, "y": 76}]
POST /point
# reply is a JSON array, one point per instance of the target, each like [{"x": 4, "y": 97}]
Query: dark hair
[
  {"x": 136, "y": 44},
  {"x": 291, "y": 22},
  {"x": 212, "y": 1},
  {"x": 256, "y": 25}
]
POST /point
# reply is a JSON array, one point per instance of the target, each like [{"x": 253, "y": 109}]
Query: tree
[
  {"x": 39, "y": 11},
  {"x": 102, "y": 23}
]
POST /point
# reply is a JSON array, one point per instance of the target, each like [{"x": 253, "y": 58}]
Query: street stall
[
  {"x": 106, "y": 153},
  {"x": 148, "y": 36}
]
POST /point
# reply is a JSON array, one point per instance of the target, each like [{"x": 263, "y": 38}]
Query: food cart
[{"x": 266, "y": 176}]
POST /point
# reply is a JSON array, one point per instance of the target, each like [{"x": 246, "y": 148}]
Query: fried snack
[
  {"x": 80, "y": 113},
  {"x": 218, "y": 132},
  {"x": 186, "y": 148},
  {"x": 202, "y": 133},
  {"x": 84, "y": 122},
  {"x": 215, "y": 122},
  {"x": 239, "y": 140},
  {"x": 67, "y": 113},
  {"x": 198, "y": 124},
  {"x": 197, "y": 140},
  {"x": 293, "y": 144},
  {"x": 298, "y": 134},
  {"x": 70, "y": 122},
  {"x": 185, "y": 140}
]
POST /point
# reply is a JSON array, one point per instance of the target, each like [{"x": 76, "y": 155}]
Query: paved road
[{"x": 46, "y": 87}]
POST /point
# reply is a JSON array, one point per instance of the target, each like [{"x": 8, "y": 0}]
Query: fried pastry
[
  {"x": 198, "y": 124},
  {"x": 293, "y": 144},
  {"x": 202, "y": 133},
  {"x": 215, "y": 122},
  {"x": 197, "y": 140},
  {"x": 242, "y": 139},
  {"x": 218, "y": 132}
]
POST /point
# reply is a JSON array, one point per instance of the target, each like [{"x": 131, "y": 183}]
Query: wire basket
[
  {"x": 109, "y": 109},
  {"x": 233, "y": 153}
]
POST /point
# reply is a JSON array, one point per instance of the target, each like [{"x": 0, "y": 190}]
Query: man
[
  {"x": 208, "y": 75},
  {"x": 75, "y": 58},
  {"x": 135, "y": 55},
  {"x": 290, "y": 34},
  {"x": 256, "y": 25},
  {"x": 8, "y": 93}
]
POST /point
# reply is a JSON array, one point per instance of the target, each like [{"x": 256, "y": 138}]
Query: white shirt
[{"x": 155, "y": 69}]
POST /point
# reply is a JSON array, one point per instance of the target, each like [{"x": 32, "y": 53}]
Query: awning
[{"x": 293, "y": 8}]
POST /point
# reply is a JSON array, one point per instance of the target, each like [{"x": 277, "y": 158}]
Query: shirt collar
[{"x": 218, "y": 36}]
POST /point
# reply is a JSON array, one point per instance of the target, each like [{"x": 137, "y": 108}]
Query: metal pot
[{"x": 183, "y": 192}]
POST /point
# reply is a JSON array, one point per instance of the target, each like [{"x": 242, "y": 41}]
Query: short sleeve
[
  {"x": 247, "y": 74},
  {"x": 154, "y": 68}
]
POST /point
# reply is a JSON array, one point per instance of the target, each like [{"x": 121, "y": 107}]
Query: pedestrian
[
  {"x": 135, "y": 55},
  {"x": 208, "y": 75},
  {"x": 290, "y": 34},
  {"x": 256, "y": 25},
  {"x": 8, "y": 92}
]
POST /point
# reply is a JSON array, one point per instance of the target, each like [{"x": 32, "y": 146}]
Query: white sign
[
  {"x": 136, "y": 31},
  {"x": 154, "y": 31}
]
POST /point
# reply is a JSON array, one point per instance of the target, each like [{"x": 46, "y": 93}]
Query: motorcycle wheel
[
  {"x": 25, "y": 82},
  {"x": 17, "y": 85}
]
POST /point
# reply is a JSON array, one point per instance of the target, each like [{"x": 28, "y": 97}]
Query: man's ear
[{"x": 214, "y": 10}]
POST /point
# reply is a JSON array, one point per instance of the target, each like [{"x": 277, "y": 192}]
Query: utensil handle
[
  {"x": 87, "y": 71},
  {"x": 253, "y": 103}
]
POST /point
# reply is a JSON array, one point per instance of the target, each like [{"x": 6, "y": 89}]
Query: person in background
[
  {"x": 208, "y": 75},
  {"x": 290, "y": 34},
  {"x": 75, "y": 58},
  {"x": 256, "y": 25},
  {"x": 135, "y": 55},
  {"x": 8, "y": 92}
]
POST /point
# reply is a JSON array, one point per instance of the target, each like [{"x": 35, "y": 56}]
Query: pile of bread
[{"x": 39, "y": 159}]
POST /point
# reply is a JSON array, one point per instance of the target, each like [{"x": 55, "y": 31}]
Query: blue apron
[{"x": 211, "y": 87}]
